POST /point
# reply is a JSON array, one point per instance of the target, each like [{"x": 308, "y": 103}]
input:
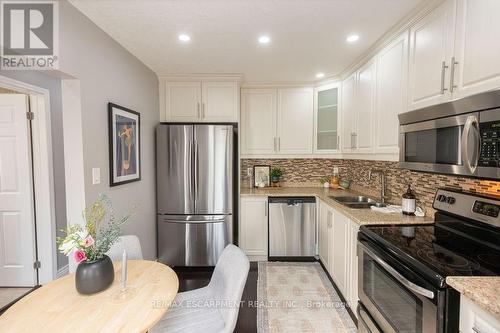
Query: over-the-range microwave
[{"x": 460, "y": 137}]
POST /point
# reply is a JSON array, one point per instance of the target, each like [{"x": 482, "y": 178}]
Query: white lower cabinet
[
  {"x": 324, "y": 225},
  {"x": 474, "y": 319},
  {"x": 338, "y": 251},
  {"x": 253, "y": 227}
]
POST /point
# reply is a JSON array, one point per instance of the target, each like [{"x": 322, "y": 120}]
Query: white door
[
  {"x": 295, "y": 121},
  {"x": 183, "y": 101},
  {"x": 253, "y": 225},
  {"x": 258, "y": 121},
  {"x": 431, "y": 49},
  {"x": 390, "y": 98},
  {"x": 220, "y": 101},
  {"x": 340, "y": 251},
  {"x": 477, "y": 47},
  {"x": 348, "y": 114},
  {"x": 17, "y": 237},
  {"x": 364, "y": 105}
]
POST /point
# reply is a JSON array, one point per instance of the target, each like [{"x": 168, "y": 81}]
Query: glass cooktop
[{"x": 450, "y": 247}]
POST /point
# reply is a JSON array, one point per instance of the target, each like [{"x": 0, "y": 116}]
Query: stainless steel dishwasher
[{"x": 292, "y": 227}]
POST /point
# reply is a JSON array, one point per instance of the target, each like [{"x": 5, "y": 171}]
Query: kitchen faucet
[{"x": 382, "y": 183}]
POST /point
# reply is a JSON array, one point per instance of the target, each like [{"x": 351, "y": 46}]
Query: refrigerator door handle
[
  {"x": 191, "y": 176},
  {"x": 196, "y": 171}
]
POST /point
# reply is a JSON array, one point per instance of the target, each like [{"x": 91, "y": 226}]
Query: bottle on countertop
[{"x": 408, "y": 205}]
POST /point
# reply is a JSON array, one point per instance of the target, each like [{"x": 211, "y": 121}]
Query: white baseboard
[{"x": 62, "y": 271}]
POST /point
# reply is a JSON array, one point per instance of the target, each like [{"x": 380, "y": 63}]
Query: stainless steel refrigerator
[{"x": 195, "y": 188}]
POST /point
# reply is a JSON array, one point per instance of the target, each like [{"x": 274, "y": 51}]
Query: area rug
[{"x": 298, "y": 297}]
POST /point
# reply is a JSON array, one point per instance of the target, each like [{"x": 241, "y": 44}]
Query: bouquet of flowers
[{"x": 92, "y": 240}]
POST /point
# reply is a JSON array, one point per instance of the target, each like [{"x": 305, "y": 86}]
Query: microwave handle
[
  {"x": 471, "y": 124},
  {"x": 405, "y": 282}
]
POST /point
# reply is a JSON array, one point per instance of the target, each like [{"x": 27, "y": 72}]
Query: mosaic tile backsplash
[{"x": 308, "y": 172}]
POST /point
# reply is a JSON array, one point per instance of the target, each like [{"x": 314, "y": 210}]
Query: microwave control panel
[{"x": 490, "y": 144}]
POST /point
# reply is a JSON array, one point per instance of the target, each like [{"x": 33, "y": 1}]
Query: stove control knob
[{"x": 451, "y": 200}]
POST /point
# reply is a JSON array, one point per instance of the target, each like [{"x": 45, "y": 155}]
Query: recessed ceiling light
[
  {"x": 184, "y": 38},
  {"x": 264, "y": 39},
  {"x": 320, "y": 75},
  {"x": 352, "y": 38}
]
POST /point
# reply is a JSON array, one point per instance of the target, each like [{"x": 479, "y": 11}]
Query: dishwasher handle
[{"x": 291, "y": 201}]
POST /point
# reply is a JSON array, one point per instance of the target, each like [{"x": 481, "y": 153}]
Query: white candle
[{"x": 124, "y": 270}]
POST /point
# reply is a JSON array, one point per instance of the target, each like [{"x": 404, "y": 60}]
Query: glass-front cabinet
[{"x": 326, "y": 122}]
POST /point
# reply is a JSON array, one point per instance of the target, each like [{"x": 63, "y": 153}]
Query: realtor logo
[{"x": 29, "y": 37}]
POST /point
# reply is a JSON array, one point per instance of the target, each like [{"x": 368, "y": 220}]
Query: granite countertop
[
  {"x": 360, "y": 216},
  {"x": 483, "y": 290}
]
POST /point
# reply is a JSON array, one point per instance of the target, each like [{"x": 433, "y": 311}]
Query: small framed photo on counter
[{"x": 261, "y": 175}]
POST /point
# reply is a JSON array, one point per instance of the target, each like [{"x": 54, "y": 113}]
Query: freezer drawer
[
  {"x": 292, "y": 227},
  {"x": 195, "y": 240}
]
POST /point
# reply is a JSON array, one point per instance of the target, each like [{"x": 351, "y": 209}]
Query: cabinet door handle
[
  {"x": 198, "y": 109},
  {"x": 274, "y": 144},
  {"x": 203, "y": 110},
  {"x": 452, "y": 74},
  {"x": 279, "y": 143},
  {"x": 443, "y": 72},
  {"x": 265, "y": 209},
  {"x": 338, "y": 142}
]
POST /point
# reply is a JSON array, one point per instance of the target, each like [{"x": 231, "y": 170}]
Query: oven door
[
  {"x": 396, "y": 302},
  {"x": 448, "y": 145}
]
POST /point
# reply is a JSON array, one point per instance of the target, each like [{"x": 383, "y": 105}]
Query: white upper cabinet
[
  {"x": 182, "y": 101},
  {"x": 220, "y": 101},
  {"x": 326, "y": 119},
  {"x": 390, "y": 99},
  {"x": 477, "y": 47},
  {"x": 199, "y": 101},
  {"x": 258, "y": 121},
  {"x": 295, "y": 121},
  {"x": 347, "y": 115},
  {"x": 365, "y": 93},
  {"x": 431, "y": 50},
  {"x": 276, "y": 122}
]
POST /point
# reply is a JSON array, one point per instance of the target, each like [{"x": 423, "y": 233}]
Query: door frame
[{"x": 43, "y": 176}]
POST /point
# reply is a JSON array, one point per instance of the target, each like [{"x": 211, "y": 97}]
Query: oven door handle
[
  {"x": 471, "y": 122},
  {"x": 405, "y": 282}
]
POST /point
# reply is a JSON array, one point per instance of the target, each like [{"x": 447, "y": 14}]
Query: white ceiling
[{"x": 307, "y": 36}]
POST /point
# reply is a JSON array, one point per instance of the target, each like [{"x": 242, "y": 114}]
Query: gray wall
[
  {"x": 109, "y": 73},
  {"x": 54, "y": 86}
]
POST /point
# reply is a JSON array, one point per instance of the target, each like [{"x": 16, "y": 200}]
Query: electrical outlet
[
  {"x": 335, "y": 170},
  {"x": 249, "y": 172}
]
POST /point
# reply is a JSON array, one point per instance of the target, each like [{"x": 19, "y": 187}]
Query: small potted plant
[
  {"x": 89, "y": 244},
  {"x": 276, "y": 174}
]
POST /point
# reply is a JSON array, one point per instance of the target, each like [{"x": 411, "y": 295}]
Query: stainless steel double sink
[{"x": 358, "y": 201}]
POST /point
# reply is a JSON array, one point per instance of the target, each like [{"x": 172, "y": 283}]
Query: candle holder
[{"x": 124, "y": 293}]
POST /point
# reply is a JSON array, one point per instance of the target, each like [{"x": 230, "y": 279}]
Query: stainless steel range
[{"x": 403, "y": 269}]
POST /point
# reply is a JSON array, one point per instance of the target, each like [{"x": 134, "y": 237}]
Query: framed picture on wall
[
  {"x": 124, "y": 145},
  {"x": 261, "y": 175}
]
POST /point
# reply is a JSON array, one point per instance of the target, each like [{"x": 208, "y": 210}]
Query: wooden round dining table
[{"x": 58, "y": 307}]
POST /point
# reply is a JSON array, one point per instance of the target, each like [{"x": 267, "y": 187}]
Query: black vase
[{"x": 94, "y": 276}]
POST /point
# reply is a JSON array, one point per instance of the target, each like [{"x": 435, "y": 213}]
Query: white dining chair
[
  {"x": 130, "y": 243},
  {"x": 214, "y": 308}
]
